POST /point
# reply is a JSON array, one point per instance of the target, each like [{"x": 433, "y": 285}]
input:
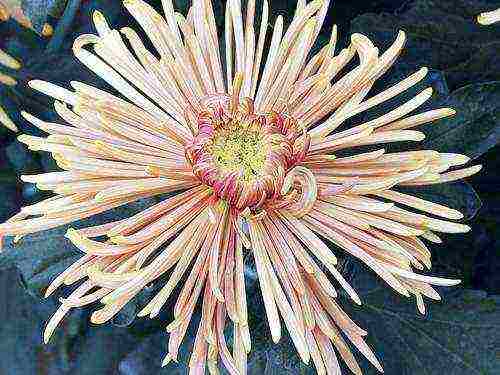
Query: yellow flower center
[
  {"x": 239, "y": 148},
  {"x": 242, "y": 155}
]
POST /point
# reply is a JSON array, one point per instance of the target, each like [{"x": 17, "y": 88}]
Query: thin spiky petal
[{"x": 249, "y": 160}]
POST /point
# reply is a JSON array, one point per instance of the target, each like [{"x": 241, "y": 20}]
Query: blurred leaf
[
  {"x": 23, "y": 352},
  {"x": 76, "y": 348},
  {"x": 100, "y": 350},
  {"x": 442, "y": 34},
  {"x": 14, "y": 8},
  {"x": 38, "y": 10},
  {"x": 457, "y": 336},
  {"x": 481, "y": 67},
  {"x": 39, "y": 56},
  {"x": 21, "y": 159},
  {"x": 57, "y": 9},
  {"x": 182, "y": 6},
  {"x": 10, "y": 195},
  {"x": 476, "y": 126},
  {"x": 146, "y": 358},
  {"x": 33, "y": 13}
]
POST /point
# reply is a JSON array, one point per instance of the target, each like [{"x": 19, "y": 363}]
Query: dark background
[{"x": 459, "y": 336}]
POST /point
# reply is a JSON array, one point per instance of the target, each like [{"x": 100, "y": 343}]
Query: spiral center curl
[{"x": 244, "y": 156}]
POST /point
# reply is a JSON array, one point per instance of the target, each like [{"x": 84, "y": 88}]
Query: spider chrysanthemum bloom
[{"x": 257, "y": 158}]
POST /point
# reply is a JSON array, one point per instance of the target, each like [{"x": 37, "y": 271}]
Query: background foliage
[{"x": 459, "y": 336}]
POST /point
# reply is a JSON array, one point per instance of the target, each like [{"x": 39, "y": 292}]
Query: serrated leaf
[{"x": 457, "y": 335}]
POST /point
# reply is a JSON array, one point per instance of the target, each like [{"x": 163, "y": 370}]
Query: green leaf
[
  {"x": 442, "y": 34},
  {"x": 457, "y": 336},
  {"x": 476, "y": 126},
  {"x": 76, "y": 348},
  {"x": 23, "y": 351},
  {"x": 482, "y": 66}
]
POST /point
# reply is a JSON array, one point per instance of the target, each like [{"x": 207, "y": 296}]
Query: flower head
[{"x": 257, "y": 157}]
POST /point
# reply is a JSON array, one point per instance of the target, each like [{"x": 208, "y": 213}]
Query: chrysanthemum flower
[{"x": 257, "y": 157}]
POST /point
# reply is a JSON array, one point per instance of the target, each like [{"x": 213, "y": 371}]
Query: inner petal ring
[{"x": 244, "y": 156}]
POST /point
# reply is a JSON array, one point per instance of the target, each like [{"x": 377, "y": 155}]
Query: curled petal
[
  {"x": 309, "y": 188},
  {"x": 109, "y": 279}
]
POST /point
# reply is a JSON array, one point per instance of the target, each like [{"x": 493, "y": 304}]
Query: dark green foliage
[
  {"x": 442, "y": 34},
  {"x": 475, "y": 128},
  {"x": 456, "y": 336}
]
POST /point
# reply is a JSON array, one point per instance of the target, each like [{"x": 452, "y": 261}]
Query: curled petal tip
[
  {"x": 428, "y": 91},
  {"x": 144, "y": 312},
  {"x": 153, "y": 314},
  {"x": 7, "y": 121},
  {"x": 488, "y": 18},
  {"x": 97, "y": 14},
  {"x": 95, "y": 318},
  {"x": 26, "y": 115}
]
